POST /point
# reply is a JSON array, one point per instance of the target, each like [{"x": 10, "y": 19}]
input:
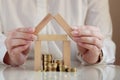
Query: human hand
[
  {"x": 18, "y": 43},
  {"x": 89, "y": 41}
]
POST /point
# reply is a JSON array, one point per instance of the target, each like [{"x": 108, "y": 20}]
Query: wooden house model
[{"x": 40, "y": 37}]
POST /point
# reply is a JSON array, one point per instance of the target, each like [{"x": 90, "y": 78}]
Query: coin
[
  {"x": 59, "y": 62},
  {"x": 73, "y": 70},
  {"x": 49, "y": 67},
  {"x": 54, "y": 66},
  {"x": 68, "y": 70},
  {"x": 64, "y": 67}
]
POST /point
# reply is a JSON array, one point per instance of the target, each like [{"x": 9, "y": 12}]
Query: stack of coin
[
  {"x": 55, "y": 65},
  {"x": 46, "y": 61},
  {"x": 49, "y": 67},
  {"x": 59, "y": 64}
]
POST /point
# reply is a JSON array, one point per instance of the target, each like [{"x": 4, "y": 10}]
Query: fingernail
[
  {"x": 31, "y": 29},
  {"x": 75, "y": 39},
  {"x": 35, "y": 38},
  {"x": 80, "y": 43},
  {"x": 28, "y": 42},
  {"x": 74, "y": 28},
  {"x": 75, "y": 32}
]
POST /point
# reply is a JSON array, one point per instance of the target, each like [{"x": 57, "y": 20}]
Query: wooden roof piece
[{"x": 60, "y": 21}]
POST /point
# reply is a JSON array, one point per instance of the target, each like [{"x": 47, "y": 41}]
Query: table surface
[{"x": 94, "y": 72}]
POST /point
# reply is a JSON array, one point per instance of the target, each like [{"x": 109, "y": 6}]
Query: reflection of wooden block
[
  {"x": 52, "y": 37},
  {"x": 37, "y": 56},
  {"x": 66, "y": 53}
]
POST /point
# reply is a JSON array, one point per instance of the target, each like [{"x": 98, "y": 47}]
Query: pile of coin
[{"x": 50, "y": 64}]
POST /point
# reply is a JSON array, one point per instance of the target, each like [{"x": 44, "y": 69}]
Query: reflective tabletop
[{"x": 93, "y": 72}]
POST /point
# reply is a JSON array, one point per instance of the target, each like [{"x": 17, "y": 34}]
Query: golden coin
[
  {"x": 59, "y": 62},
  {"x": 68, "y": 70},
  {"x": 64, "y": 67},
  {"x": 59, "y": 68},
  {"x": 49, "y": 67},
  {"x": 54, "y": 66},
  {"x": 45, "y": 68},
  {"x": 73, "y": 70}
]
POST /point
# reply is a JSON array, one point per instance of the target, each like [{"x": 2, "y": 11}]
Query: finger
[
  {"x": 90, "y": 47},
  {"x": 21, "y": 35},
  {"x": 20, "y": 49},
  {"x": 75, "y": 33},
  {"x": 19, "y": 42},
  {"x": 75, "y": 28},
  {"x": 87, "y": 31},
  {"x": 90, "y": 34},
  {"x": 86, "y": 27},
  {"x": 91, "y": 40},
  {"x": 81, "y": 49},
  {"x": 26, "y": 30}
]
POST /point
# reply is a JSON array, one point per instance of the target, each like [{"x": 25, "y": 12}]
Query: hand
[
  {"x": 89, "y": 41},
  {"x": 18, "y": 43}
]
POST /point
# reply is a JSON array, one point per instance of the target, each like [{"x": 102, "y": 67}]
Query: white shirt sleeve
[
  {"x": 3, "y": 49},
  {"x": 98, "y": 15}
]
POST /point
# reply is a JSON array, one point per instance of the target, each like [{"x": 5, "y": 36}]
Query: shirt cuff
[
  {"x": 3, "y": 51},
  {"x": 79, "y": 57}
]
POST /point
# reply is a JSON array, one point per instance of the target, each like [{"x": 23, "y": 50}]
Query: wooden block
[
  {"x": 52, "y": 37},
  {"x": 37, "y": 56},
  {"x": 66, "y": 53},
  {"x": 63, "y": 24},
  {"x": 42, "y": 23}
]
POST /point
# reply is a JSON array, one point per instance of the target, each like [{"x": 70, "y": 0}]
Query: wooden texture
[
  {"x": 52, "y": 37},
  {"x": 66, "y": 53},
  {"x": 63, "y": 24},
  {"x": 37, "y": 56},
  {"x": 42, "y": 23}
]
